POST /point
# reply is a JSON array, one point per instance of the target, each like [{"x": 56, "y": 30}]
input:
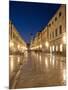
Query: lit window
[
  {"x": 56, "y": 48},
  {"x": 53, "y": 48},
  {"x": 61, "y": 48}
]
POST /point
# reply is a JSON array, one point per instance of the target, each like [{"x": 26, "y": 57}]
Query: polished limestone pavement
[{"x": 41, "y": 70}]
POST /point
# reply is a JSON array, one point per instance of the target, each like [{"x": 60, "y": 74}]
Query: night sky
[{"x": 30, "y": 17}]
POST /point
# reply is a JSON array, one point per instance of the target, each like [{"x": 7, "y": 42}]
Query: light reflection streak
[
  {"x": 53, "y": 60},
  {"x": 46, "y": 62},
  {"x": 57, "y": 64},
  {"x": 37, "y": 55},
  {"x": 61, "y": 65},
  {"x": 64, "y": 75},
  {"x": 40, "y": 58},
  {"x": 50, "y": 58},
  {"x": 12, "y": 63}
]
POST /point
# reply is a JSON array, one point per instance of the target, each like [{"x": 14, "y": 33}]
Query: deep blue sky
[{"x": 30, "y": 17}]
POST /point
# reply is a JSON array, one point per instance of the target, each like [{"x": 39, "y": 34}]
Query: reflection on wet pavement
[{"x": 39, "y": 69}]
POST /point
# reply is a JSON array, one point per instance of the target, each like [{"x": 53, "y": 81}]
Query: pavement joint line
[{"x": 15, "y": 80}]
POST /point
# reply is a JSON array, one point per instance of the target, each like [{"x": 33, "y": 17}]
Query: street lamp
[
  {"x": 40, "y": 46},
  {"x": 18, "y": 46},
  {"x": 11, "y": 44},
  {"x": 64, "y": 39},
  {"x": 47, "y": 44}
]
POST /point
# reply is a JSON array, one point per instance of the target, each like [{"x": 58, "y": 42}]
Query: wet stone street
[{"x": 39, "y": 69}]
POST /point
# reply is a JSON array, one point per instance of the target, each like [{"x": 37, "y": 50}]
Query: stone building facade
[
  {"x": 17, "y": 43},
  {"x": 53, "y": 37}
]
